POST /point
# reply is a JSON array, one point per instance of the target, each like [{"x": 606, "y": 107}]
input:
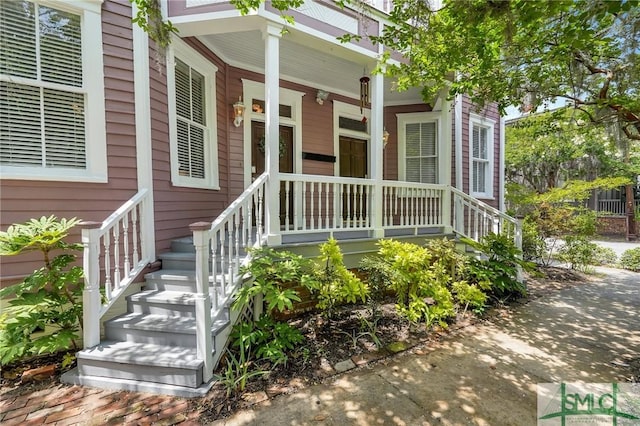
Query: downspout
[{"x": 144, "y": 149}]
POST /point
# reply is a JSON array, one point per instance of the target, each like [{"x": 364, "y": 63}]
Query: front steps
[{"x": 152, "y": 347}]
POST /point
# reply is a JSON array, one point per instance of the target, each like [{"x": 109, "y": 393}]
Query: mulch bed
[{"x": 327, "y": 343}]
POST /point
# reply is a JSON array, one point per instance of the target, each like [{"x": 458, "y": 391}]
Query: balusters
[
  {"x": 287, "y": 190},
  {"x": 214, "y": 269},
  {"x": 222, "y": 239},
  {"x": 106, "y": 241},
  {"x": 320, "y": 186},
  {"x": 125, "y": 244},
  {"x": 134, "y": 222},
  {"x": 236, "y": 223},
  {"x": 304, "y": 205},
  {"x": 326, "y": 203},
  {"x": 116, "y": 255},
  {"x": 312, "y": 224}
]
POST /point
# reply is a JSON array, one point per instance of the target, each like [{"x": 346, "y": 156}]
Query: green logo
[{"x": 595, "y": 403}]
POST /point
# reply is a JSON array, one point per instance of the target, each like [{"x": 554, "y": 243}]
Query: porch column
[
  {"x": 377, "y": 147},
  {"x": 271, "y": 34}
]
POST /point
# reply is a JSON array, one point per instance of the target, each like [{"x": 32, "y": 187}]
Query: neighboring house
[
  {"x": 95, "y": 123},
  {"x": 611, "y": 208}
]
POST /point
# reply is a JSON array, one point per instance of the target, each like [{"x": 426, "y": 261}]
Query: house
[{"x": 237, "y": 135}]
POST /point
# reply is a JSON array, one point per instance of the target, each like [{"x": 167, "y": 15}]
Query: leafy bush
[
  {"x": 333, "y": 283},
  {"x": 498, "y": 273},
  {"x": 578, "y": 252},
  {"x": 379, "y": 277},
  {"x": 49, "y": 299},
  {"x": 604, "y": 256},
  {"x": 533, "y": 244},
  {"x": 469, "y": 295},
  {"x": 630, "y": 259},
  {"x": 419, "y": 283},
  {"x": 270, "y": 339},
  {"x": 269, "y": 269}
]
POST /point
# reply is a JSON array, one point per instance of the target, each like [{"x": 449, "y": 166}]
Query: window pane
[
  {"x": 20, "y": 131},
  {"x": 428, "y": 139},
  {"x": 413, "y": 139},
  {"x": 183, "y": 107},
  {"x": 197, "y": 97},
  {"x": 428, "y": 170},
  {"x": 479, "y": 176},
  {"x": 413, "y": 170},
  {"x": 18, "y": 39},
  {"x": 60, "y": 47},
  {"x": 197, "y": 152},
  {"x": 64, "y": 129},
  {"x": 351, "y": 124}
]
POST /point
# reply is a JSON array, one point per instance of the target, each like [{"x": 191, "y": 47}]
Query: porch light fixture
[
  {"x": 321, "y": 96},
  {"x": 385, "y": 138},
  {"x": 238, "y": 112}
]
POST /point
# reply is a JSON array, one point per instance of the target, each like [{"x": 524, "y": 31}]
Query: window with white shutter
[
  {"x": 418, "y": 147},
  {"x": 481, "y": 157},
  {"x": 192, "y": 82},
  {"x": 49, "y": 106}
]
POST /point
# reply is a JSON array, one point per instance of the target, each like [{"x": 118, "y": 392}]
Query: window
[
  {"x": 418, "y": 150},
  {"x": 51, "y": 92},
  {"x": 481, "y": 157},
  {"x": 194, "y": 160}
]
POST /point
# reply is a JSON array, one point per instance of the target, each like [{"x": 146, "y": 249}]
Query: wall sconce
[
  {"x": 238, "y": 112},
  {"x": 321, "y": 96},
  {"x": 385, "y": 138}
]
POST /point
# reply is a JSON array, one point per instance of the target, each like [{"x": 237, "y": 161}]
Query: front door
[
  {"x": 353, "y": 163},
  {"x": 286, "y": 162}
]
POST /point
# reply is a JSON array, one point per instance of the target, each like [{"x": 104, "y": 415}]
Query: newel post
[
  {"x": 91, "y": 292},
  {"x": 204, "y": 345}
]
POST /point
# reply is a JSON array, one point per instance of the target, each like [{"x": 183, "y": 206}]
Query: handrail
[
  {"x": 222, "y": 247},
  {"x": 475, "y": 219},
  {"x": 115, "y": 253}
]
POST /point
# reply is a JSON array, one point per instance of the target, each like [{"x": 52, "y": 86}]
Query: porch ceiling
[{"x": 304, "y": 60}]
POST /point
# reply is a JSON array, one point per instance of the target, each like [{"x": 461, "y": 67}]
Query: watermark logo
[{"x": 575, "y": 404}]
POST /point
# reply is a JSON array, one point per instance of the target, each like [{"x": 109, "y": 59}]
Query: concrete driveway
[{"x": 485, "y": 374}]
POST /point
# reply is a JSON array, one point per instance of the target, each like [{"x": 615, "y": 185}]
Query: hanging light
[{"x": 364, "y": 91}]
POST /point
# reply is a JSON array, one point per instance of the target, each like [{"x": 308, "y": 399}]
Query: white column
[
  {"x": 501, "y": 166},
  {"x": 143, "y": 137},
  {"x": 447, "y": 139},
  {"x": 377, "y": 147},
  {"x": 271, "y": 34}
]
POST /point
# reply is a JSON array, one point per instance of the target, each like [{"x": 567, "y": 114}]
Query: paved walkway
[{"x": 485, "y": 375}]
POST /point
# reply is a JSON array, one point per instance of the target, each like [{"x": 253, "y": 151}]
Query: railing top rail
[
  {"x": 122, "y": 210},
  {"x": 235, "y": 205},
  {"x": 484, "y": 205},
  {"x": 417, "y": 185},
  {"x": 295, "y": 177}
]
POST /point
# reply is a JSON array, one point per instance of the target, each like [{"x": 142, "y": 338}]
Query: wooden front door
[
  {"x": 286, "y": 161},
  {"x": 353, "y": 163}
]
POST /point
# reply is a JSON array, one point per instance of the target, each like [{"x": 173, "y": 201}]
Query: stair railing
[
  {"x": 115, "y": 253},
  {"x": 222, "y": 247},
  {"x": 475, "y": 219}
]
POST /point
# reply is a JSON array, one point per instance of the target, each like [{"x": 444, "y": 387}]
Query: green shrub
[
  {"x": 379, "y": 276},
  {"x": 469, "y": 295},
  {"x": 578, "y": 252},
  {"x": 420, "y": 283},
  {"x": 533, "y": 244},
  {"x": 269, "y": 269},
  {"x": 498, "y": 273},
  {"x": 604, "y": 256},
  {"x": 271, "y": 340},
  {"x": 49, "y": 299},
  {"x": 630, "y": 259},
  {"x": 333, "y": 284}
]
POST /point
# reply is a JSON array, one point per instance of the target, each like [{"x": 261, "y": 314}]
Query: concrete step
[{"x": 173, "y": 365}]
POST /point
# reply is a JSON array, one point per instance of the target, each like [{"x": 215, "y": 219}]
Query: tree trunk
[{"x": 631, "y": 220}]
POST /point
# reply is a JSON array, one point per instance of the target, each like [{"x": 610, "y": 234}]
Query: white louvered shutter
[
  {"x": 41, "y": 125},
  {"x": 191, "y": 121},
  {"x": 421, "y": 152}
]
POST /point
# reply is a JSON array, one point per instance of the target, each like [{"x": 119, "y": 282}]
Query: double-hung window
[
  {"x": 418, "y": 147},
  {"x": 481, "y": 157},
  {"x": 194, "y": 151},
  {"x": 52, "y": 124}
]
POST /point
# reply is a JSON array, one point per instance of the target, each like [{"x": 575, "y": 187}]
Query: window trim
[
  {"x": 93, "y": 90},
  {"x": 417, "y": 118},
  {"x": 195, "y": 60},
  {"x": 486, "y": 123}
]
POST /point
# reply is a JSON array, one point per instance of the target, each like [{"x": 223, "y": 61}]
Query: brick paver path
[{"x": 68, "y": 405}]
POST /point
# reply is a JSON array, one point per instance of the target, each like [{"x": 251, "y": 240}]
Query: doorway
[
  {"x": 353, "y": 163},
  {"x": 286, "y": 162}
]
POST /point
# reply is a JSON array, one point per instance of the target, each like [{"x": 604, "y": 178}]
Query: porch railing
[
  {"x": 407, "y": 204},
  {"x": 221, "y": 249},
  {"x": 615, "y": 207},
  {"x": 114, "y": 254},
  {"x": 475, "y": 219}
]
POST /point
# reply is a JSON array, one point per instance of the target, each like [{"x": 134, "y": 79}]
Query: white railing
[
  {"x": 612, "y": 207},
  {"x": 406, "y": 204},
  {"x": 312, "y": 203},
  {"x": 221, "y": 249},
  {"x": 114, "y": 254},
  {"x": 474, "y": 219}
]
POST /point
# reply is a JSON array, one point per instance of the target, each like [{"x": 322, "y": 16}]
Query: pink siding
[
  {"x": 490, "y": 112},
  {"x": 177, "y": 207},
  {"x": 24, "y": 199}
]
